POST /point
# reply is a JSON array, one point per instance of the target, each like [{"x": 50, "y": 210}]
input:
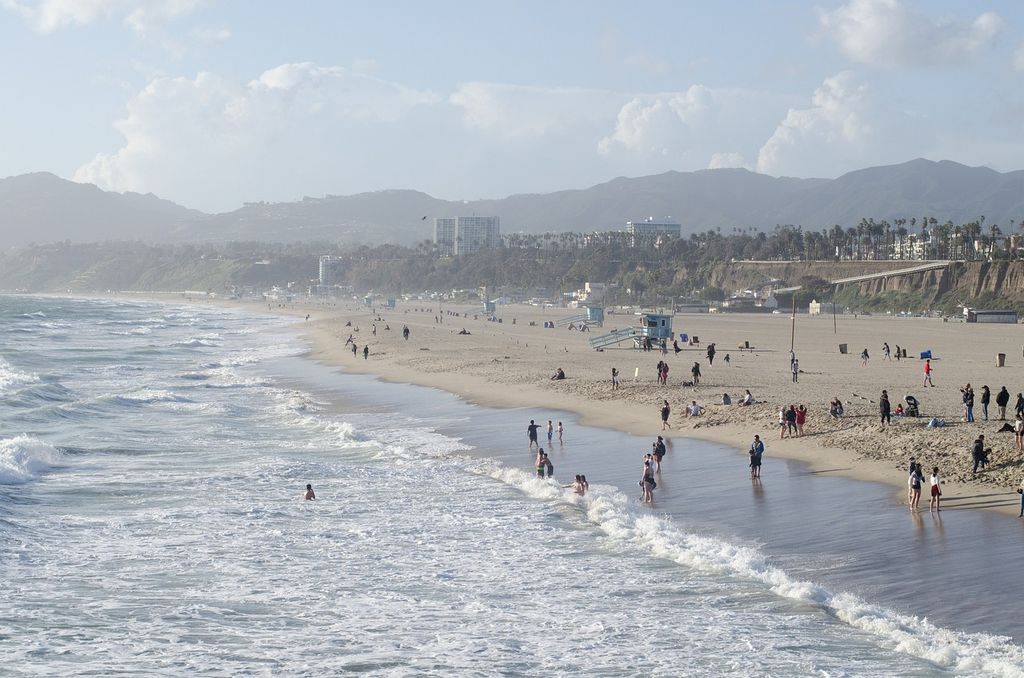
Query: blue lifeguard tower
[
  {"x": 657, "y": 326},
  {"x": 390, "y": 304},
  {"x": 490, "y": 307}
]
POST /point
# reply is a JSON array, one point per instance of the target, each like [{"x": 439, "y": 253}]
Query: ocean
[{"x": 152, "y": 463}]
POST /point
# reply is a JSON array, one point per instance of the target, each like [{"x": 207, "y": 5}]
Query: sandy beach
[{"x": 510, "y": 364}]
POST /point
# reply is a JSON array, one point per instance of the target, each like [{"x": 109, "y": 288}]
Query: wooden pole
[
  {"x": 835, "y": 329},
  {"x": 792, "y": 317}
]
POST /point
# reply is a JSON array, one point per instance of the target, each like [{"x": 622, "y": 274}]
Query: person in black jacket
[
  {"x": 986, "y": 398},
  {"x": 1002, "y": 400},
  {"x": 884, "y": 409}
]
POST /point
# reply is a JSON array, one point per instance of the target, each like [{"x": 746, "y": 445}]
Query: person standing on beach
[
  {"x": 659, "y": 451},
  {"x": 355, "y": 349},
  {"x": 615, "y": 378},
  {"x": 647, "y": 483},
  {"x": 1002, "y": 400},
  {"x": 933, "y": 503},
  {"x": 1018, "y": 433},
  {"x": 560, "y": 430},
  {"x": 551, "y": 432},
  {"x": 986, "y": 398},
  {"x": 795, "y": 367},
  {"x": 967, "y": 395},
  {"x": 864, "y": 358},
  {"x": 885, "y": 352},
  {"x": 898, "y": 352},
  {"x": 915, "y": 486},
  {"x": 928, "y": 373},
  {"x": 1020, "y": 491},
  {"x": 801, "y": 419},
  {"x": 885, "y": 409},
  {"x": 711, "y": 354},
  {"x": 782, "y": 422},
  {"x": 405, "y": 332},
  {"x": 665, "y": 412},
  {"x": 695, "y": 371},
  {"x": 978, "y": 454},
  {"x": 531, "y": 433},
  {"x": 756, "y": 451},
  {"x": 1019, "y": 406},
  {"x": 791, "y": 421}
]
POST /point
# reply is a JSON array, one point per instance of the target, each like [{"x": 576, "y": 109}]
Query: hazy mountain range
[{"x": 43, "y": 208}]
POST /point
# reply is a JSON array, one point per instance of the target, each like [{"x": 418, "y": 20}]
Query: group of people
[
  {"x": 914, "y": 482},
  {"x": 531, "y": 433},
  {"x": 652, "y": 465},
  {"x": 791, "y": 421},
  {"x": 1002, "y": 401}
]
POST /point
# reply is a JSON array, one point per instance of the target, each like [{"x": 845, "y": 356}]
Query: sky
[{"x": 212, "y": 103}]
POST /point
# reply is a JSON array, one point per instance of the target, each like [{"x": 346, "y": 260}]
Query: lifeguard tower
[
  {"x": 656, "y": 326},
  {"x": 490, "y": 307},
  {"x": 591, "y": 315}
]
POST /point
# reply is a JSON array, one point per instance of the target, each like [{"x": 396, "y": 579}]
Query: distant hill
[{"x": 42, "y": 207}]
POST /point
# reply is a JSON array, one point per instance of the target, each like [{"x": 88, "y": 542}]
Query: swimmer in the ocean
[{"x": 310, "y": 494}]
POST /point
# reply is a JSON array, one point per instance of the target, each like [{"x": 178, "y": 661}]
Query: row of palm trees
[{"x": 924, "y": 238}]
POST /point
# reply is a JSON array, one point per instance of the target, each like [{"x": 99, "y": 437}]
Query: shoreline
[{"x": 415, "y": 365}]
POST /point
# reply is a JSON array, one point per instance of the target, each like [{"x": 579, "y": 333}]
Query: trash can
[
  {"x": 842, "y": 349},
  {"x": 926, "y": 354},
  {"x": 1000, "y": 359}
]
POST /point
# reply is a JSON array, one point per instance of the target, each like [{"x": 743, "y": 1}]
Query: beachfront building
[
  {"x": 649, "y": 229},
  {"x": 465, "y": 235},
  {"x": 824, "y": 308},
  {"x": 978, "y": 315}
]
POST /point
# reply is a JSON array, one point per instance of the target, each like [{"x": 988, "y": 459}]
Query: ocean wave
[
  {"x": 146, "y": 396},
  {"x": 24, "y": 458},
  {"x": 37, "y": 314},
  {"x": 196, "y": 342},
  {"x": 628, "y": 523},
  {"x": 10, "y": 378}
]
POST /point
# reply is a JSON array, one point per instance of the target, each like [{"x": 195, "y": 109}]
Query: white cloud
[
  {"x": 830, "y": 133},
  {"x": 893, "y": 33},
  {"x": 517, "y": 112},
  {"x": 723, "y": 160},
  {"x": 1018, "y": 58},
  {"x": 302, "y": 126},
  {"x": 682, "y": 130},
  {"x": 142, "y": 16}
]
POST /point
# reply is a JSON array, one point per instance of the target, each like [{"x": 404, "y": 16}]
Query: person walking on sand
[
  {"x": 1018, "y": 408},
  {"x": 695, "y": 371},
  {"x": 366, "y": 352},
  {"x": 898, "y": 352},
  {"x": 756, "y": 452},
  {"x": 978, "y": 454},
  {"x": 928, "y": 373},
  {"x": 615, "y": 378},
  {"x": 886, "y": 355},
  {"x": 310, "y": 495},
  {"x": 795, "y": 367},
  {"x": 355, "y": 349},
  {"x": 711, "y": 354},
  {"x": 1002, "y": 400},
  {"x": 986, "y": 398},
  {"x": 864, "y": 358},
  {"x": 531, "y": 433},
  {"x": 884, "y": 409},
  {"x": 665, "y": 412},
  {"x": 936, "y": 493}
]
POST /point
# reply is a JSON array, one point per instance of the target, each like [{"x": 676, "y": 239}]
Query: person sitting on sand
[
  {"x": 748, "y": 399},
  {"x": 726, "y": 400},
  {"x": 694, "y": 410},
  {"x": 835, "y": 408},
  {"x": 463, "y": 331},
  {"x": 559, "y": 374},
  {"x": 898, "y": 412},
  {"x": 310, "y": 495}
]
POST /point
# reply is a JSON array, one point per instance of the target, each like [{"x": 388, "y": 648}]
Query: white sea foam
[
  {"x": 11, "y": 378},
  {"x": 627, "y": 522},
  {"x": 147, "y": 396},
  {"x": 23, "y": 458}
]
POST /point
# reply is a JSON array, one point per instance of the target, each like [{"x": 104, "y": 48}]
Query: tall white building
[
  {"x": 651, "y": 228},
  {"x": 464, "y": 235},
  {"x": 328, "y": 270}
]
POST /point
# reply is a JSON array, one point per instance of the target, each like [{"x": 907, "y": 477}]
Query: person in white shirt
[
  {"x": 933, "y": 503},
  {"x": 1018, "y": 432},
  {"x": 694, "y": 410},
  {"x": 748, "y": 399}
]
